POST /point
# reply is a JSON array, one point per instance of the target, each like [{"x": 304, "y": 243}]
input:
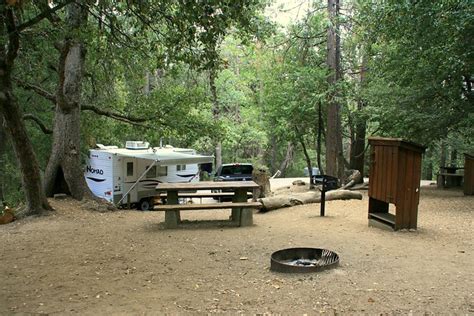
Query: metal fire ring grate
[{"x": 303, "y": 260}]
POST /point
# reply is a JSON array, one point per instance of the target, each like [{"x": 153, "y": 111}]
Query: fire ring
[{"x": 303, "y": 260}]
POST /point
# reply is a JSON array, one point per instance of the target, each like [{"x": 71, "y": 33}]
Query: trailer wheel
[{"x": 145, "y": 205}]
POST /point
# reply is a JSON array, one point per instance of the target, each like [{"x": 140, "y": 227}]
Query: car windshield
[{"x": 236, "y": 169}]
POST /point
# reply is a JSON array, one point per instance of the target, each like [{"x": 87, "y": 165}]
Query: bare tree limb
[
  {"x": 42, "y": 5},
  {"x": 133, "y": 120},
  {"x": 39, "y": 90},
  {"x": 43, "y": 15},
  {"x": 112, "y": 28},
  {"x": 319, "y": 35},
  {"x": 41, "y": 125}
]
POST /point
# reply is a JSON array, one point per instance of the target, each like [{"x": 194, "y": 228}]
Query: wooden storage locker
[
  {"x": 469, "y": 174},
  {"x": 395, "y": 174}
]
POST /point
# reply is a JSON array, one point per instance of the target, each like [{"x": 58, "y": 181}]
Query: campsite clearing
[{"x": 77, "y": 261}]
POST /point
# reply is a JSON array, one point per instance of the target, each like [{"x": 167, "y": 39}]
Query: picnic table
[
  {"x": 448, "y": 177},
  {"x": 242, "y": 210}
]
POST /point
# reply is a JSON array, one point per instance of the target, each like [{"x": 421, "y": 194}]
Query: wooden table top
[{"x": 206, "y": 185}]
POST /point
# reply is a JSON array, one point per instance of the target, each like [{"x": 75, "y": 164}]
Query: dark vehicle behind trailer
[{"x": 234, "y": 172}]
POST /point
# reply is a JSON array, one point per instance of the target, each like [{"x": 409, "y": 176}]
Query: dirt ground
[{"x": 78, "y": 261}]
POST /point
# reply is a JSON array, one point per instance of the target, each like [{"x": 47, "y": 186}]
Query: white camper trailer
[{"x": 131, "y": 174}]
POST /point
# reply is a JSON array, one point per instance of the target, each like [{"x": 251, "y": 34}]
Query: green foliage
[
  {"x": 150, "y": 61},
  {"x": 422, "y": 61}
]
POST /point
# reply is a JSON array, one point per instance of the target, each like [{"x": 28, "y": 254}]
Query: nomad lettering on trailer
[
  {"x": 89, "y": 169},
  {"x": 94, "y": 171}
]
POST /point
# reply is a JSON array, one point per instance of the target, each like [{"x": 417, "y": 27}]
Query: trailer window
[
  {"x": 180, "y": 167},
  {"x": 129, "y": 169},
  {"x": 151, "y": 173},
  {"x": 162, "y": 171}
]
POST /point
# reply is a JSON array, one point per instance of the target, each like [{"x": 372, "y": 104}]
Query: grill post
[
  {"x": 328, "y": 183},
  {"x": 323, "y": 202}
]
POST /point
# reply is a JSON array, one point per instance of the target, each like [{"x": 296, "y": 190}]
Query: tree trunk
[
  {"x": 273, "y": 154},
  {"x": 308, "y": 163},
  {"x": 357, "y": 158},
  {"x": 429, "y": 165},
  {"x": 36, "y": 202},
  {"x": 442, "y": 158},
  {"x": 216, "y": 115},
  {"x": 334, "y": 158},
  {"x": 218, "y": 153},
  {"x": 288, "y": 158},
  {"x": 318, "y": 142},
  {"x": 64, "y": 172},
  {"x": 261, "y": 177},
  {"x": 454, "y": 158},
  {"x": 3, "y": 145}
]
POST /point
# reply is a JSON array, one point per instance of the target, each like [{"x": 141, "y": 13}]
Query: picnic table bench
[
  {"x": 242, "y": 211},
  {"x": 447, "y": 177},
  {"x": 201, "y": 195}
]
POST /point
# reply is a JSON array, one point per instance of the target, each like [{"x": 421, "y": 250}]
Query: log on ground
[{"x": 281, "y": 201}]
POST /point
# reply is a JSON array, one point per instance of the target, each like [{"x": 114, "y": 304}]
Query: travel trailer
[{"x": 130, "y": 175}]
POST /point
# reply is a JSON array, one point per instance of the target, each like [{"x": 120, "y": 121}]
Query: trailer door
[
  {"x": 130, "y": 169},
  {"x": 130, "y": 173}
]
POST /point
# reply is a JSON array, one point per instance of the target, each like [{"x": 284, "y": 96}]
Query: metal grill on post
[{"x": 328, "y": 183}]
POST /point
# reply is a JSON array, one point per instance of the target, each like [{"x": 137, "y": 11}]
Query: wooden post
[
  {"x": 172, "y": 218},
  {"x": 323, "y": 203},
  {"x": 468, "y": 174},
  {"x": 242, "y": 216}
]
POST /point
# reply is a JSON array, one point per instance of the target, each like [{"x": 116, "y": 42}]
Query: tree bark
[
  {"x": 334, "y": 158},
  {"x": 428, "y": 172},
  {"x": 273, "y": 154},
  {"x": 454, "y": 157},
  {"x": 308, "y": 162},
  {"x": 318, "y": 141},
  {"x": 64, "y": 172},
  {"x": 3, "y": 145},
  {"x": 216, "y": 115},
  {"x": 36, "y": 202},
  {"x": 442, "y": 158},
  {"x": 288, "y": 158},
  {"x": 357, "y": 157}
]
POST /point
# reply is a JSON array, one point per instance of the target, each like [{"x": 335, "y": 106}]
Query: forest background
[{"x": 224, "y": 78}]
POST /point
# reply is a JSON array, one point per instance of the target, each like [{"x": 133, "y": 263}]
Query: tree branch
[
  {"x": 42, "y": 5},
  {"x": 43, "y": 15},
  {"x": 137, "y": 121},
  {"x": 41, "y": 125},
  {"x": 42, "y": 92},
  {"x": 319, "y": 35},
  {"x": 13, "y": 38}
]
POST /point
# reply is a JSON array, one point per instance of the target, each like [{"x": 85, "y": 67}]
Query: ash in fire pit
[{"x": 302, "y": 260}]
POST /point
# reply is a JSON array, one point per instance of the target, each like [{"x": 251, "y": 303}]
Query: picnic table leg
[
  {"x": 242, "y": 216},
  {"x": 172, "y": 218}
]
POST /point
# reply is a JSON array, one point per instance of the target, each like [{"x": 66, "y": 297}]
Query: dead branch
[
  {"x": 41, "y": 125},
  {"x": 319, "y": 35},
  {"x": 137, "y": 121},
  {"x": 43, "y": 15},
  {"x": 39, "y": 90}
]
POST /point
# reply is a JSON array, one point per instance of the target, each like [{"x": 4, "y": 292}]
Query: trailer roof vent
[
  {"x": 100, "y": 146},
  {"x": 136, "y": 144}
]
